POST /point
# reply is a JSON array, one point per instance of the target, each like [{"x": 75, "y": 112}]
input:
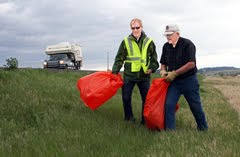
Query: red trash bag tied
[
  {"x": 95, "y": 89},
  {"x": 155, "y": 104}
]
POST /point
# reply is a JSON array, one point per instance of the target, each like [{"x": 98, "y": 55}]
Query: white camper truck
[{"x": 64, "y": 55}]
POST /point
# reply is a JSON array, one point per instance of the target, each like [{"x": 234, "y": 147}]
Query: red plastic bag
[
  {"x": 155, "y": 104},
  {"x": 97, "y": 88}
]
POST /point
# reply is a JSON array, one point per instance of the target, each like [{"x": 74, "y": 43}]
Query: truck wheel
[
  {"x": 66, "y": 66},
  {"x": 77, "y": 67}
]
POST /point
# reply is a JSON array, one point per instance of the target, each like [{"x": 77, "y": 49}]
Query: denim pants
[
  {"x": 143, "y": 86},
  {"x": 189, "y": 87}
]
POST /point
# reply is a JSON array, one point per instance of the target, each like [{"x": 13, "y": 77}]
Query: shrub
[{"x": 12, "y": 63}]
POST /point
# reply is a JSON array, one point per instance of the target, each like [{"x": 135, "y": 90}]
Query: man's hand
[
  {"x": 149, "y": 71},
  {"x": 171, "y": 76},
  {"x": 163, "y": 73}
]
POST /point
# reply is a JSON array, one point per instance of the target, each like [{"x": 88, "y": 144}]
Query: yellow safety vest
[{"x": 136, "y": 57}]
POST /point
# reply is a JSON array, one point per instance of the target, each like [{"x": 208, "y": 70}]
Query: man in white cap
[{"x": 178, "y": 66}]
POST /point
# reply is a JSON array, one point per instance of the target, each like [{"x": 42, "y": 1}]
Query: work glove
[
  {"x": 163, "y": 73},
  {"x": 171, "y": 76}
]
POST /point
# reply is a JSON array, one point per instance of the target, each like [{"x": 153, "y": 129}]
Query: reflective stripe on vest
[{"x": 136, "y": 57}]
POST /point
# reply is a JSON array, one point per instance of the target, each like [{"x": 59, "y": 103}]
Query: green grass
[{"x": 41, "y": 115}]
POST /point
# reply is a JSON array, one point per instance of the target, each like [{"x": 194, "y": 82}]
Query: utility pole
[{"x": 108, "y": 61}]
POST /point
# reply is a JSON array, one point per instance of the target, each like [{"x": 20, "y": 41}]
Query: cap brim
[{"x": 168, "y": 33}]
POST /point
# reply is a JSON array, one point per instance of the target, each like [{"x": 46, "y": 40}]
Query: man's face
[
  {"x": 136, "y": 29},
  {"x": 172, "y": 38}
]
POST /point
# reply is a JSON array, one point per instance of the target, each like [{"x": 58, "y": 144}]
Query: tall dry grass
[{"x": 229, "y": 87}]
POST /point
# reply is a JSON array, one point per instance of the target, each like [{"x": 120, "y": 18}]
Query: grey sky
[{"x": 28, "y": 26}]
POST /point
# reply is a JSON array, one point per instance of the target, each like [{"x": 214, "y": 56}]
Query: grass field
[
  {"x": 41, "y": 115},
  {"x": 229, "y": 86}
]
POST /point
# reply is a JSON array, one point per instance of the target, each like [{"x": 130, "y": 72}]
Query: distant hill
[
  {"x": 218, "y": 68},
  {"x": 220, "y": 71}
]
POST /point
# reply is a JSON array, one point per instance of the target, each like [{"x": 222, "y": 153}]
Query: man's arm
[
  {"x": 169, "y": 76},
  {"x": 153, "y": 66},
  {"x": 119, "y": 59},
  {"x": 188, "y": 66},
  {"x": 163, "y": 70},
  {"x": 191, "y": 51}
]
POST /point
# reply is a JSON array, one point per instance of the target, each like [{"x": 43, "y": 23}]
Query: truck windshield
[{"x": 55, "y": 57}]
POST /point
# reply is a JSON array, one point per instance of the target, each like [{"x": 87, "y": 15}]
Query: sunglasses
[{"x": 133, "y": 28}]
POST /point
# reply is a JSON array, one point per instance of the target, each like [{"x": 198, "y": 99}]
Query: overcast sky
[{"x": 28, "y": 26}]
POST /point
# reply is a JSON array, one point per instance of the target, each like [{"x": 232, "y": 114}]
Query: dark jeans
[
  {"x": 189, "y": 87},
  {"x": 127, "y": 89}
]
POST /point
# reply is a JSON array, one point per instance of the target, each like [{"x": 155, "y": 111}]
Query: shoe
[
  {"x": 142, "y": 123},
  {"x": 132, "y": 119},
  {"x": 202, "y": 129}
]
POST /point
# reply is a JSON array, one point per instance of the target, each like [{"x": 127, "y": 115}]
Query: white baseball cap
[{"x": 171, "y": 28}]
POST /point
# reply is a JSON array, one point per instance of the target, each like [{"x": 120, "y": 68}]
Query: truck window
[{"x": 55, "y": 57}]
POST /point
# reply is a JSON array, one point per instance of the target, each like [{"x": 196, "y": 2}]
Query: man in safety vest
[{"x": 138, "y": 54}]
